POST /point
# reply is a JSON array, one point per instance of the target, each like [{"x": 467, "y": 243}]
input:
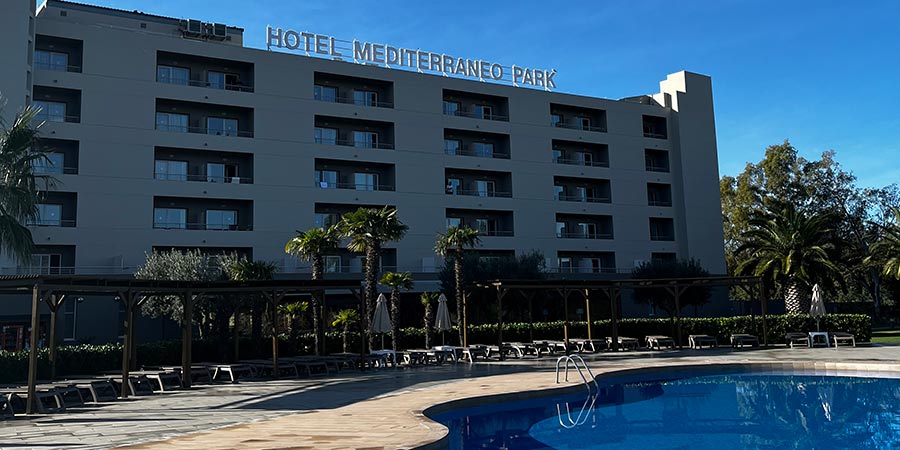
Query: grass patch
[{"x": 886, "y": 336}]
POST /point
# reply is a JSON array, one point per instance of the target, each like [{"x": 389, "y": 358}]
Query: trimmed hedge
[{"x": 90, "y": 359}]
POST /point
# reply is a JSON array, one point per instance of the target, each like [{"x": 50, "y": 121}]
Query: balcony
[
  {"x": 344, "y": 261},
  {"x": 177, "y": 164},
  {"x": 477, "y": 144},
  {"x": 586, "y": 262},
  {"x": 659, "y": 194},
  {"x": 656, "y": 160},
  {"x": 62, "y": 157},
  {"x": 577, "y": 118},
  {"x": 328, "y": 214},
  {"x": 210, "y": 252},
  {"x": 176, "y": 116},
  {"x": 489, "y": 223},
  {"x": 56, "y": 209},
  {"x": 360, "y": 176},
  {"x": 580, "y": 153},
  {"x": 662, "y": 229},
  {"x": 655, "y": 127},
  {"x": 476, "y": 106},
  {"x": 587, "y": 190},
  {"x": 584, "y": 226},
  {"x": 183, "y": 213},
  {"x": 193, "y": 70},
  {"x": 50, "y": 260},
  {"x": 335, "y": 88},
  {"x": 354, "y": 133},
  {"x": 478, "y": 183},
  {"x": 57, "y": 54},
  {"x": 57, "y": 105}
]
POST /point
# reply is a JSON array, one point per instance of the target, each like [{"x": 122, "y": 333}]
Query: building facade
[{"x": 169, "y": 137}]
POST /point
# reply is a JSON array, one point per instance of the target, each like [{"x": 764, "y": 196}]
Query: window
[
  {"x": 52, "y": 164},
  {"x": 47, "y": 60},
  {"x": 662, "y": 229},
  {"x": 584, "y": 122},
  {"x": 452, "y": 146},
  {"x": 565, "y": 264},
  {"x": 173, "y": 75},
  {"x": 561, "y": 229},
  {"x": 483, "y": 149},
  {"x": 556, "y": 120},
  {"x": 365, "y": 181},
  {"x": 365, "y": 139},
  {"x": 221, "y": 126},
  {"x": 70, "y": 308},
  {"x": 587, "y": 230},
  {"x": 326, "y": 136},
  {"x": 325, "y": 220},
  {"x": 581, "y": 194},
  {"x": 325, "y": 93},
  {"x": 170, "y": 218},
  {"x": 172, "y": 122},
  {"x": 332, "y": 264},
  {"x": 559, "y": 193},
  {"x": 50, "y": 111},
  {"x": 557, "y": 155},
  {"x": 327, "y": 178},
  {"x": 484, "y": 112},
  {"x": 215, "y": 80},
  {"x": 170, "y": 170},
  {"x": 221, "y": 219},
  {"x": 453, "y": 185},
  {"x": 454, "y": 222},
  {"x": 49, "y": 215},
  {"x": 365, "y": 98},
  {"x": 485, "y": 188},
  {"x": 46, "y": 264},
  {"x": 220, "y": 172},
  {"x": 585, "y": 159},
  {"x": 451, "y": 108},
  {"x": 487, "y": 227}
]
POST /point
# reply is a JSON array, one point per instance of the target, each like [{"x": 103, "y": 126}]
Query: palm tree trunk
[
  {"x": 318, "y": 328},
  {"x": 395, "y": 320},
  {"x": 796, "y": 297},
  {"x": 428, "y": 320},
  {"x": 457, "y": 275},
  {"x": 371, "y": 288}
]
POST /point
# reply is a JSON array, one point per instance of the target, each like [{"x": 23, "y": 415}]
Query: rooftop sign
[{"x": 411, "y": 59}]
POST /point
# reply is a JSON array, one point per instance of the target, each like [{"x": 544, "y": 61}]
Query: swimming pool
[{"x": 721, "y": 412}]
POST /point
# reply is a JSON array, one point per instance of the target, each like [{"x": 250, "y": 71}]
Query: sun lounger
[
  {"x": 524, "y": 349},
  {"x": 659, "y": 341},
  {"x": 315, "y": 365},
  {"x": 265, "y": 366},
  {"x": 847, "y": 338},
  {"x": 472, "y": 352},
  {"x": 69, "y": 394},
  {"x": 138, "y": 384},
  {"x": 200, "y": 373},
  {"x": 741, "y": 340},
  {"x": 503, "y": 351},
  {"x": 625, "y": 343},
  {"x": 416, "y": 357},
  {"x": 228, "y": 372},
  {"x": 94, "y": 390},
  {"x": 698, "y": 340},
  {"x": 6, "y": 410},
  {"x": 792, "y": 339},
  {"x": 48, "y": 400},
  {"x": 593, "y": 345}
]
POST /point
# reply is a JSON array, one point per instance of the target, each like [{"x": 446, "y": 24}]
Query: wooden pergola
[
  {"x": 612, "y": 289},
  {"x": 54, "y": 290}
]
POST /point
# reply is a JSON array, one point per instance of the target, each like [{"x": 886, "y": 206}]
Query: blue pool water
[{"x": 721, "y": 412}]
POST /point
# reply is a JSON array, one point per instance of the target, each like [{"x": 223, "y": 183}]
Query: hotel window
[
  {"x": 326, "y": 220},
  {"x": 565, "y": 264},
  {"x": 221, "y": 126},
  {"x": 70, "y": 309},
  {"x": 326, "y": 178},
  {"x": 215, "y": 80},
  {"x": 365, "y": 98},
  {"x": 662, "y": 229},
  {"x": 581, "y": 193},
  {"x": 487, "y": 227},
  {"x": 170, "y": 218},
  {"x": 173, "y": 75},
  {"x": 325, "y": 93},
  {"x": 483, "y": 149},
  {"x": 485, "y": 188},
  {"x": 50, "y": 111},
  {"x": 49, "y": 215},
  {"x": 560, "y": 229},
  {"x": 453, "y": 185},
  {"x": 170, "y": 170},
  {"x": 452, "y": 146},
  {"x": 484, "y": 111},
  {"x": 585, "y": 159},
  {"x": 172, "y": 122},
  {"x": 47, "y": 60},
  {"x": 556, "y": 120},
  {"x": 332, "y": 264},
  {"x": 52, "y": 164},
  {"x": 221, "y": 219},
  {"x": 451, "y": 108},
  {"x": 46, "y": 264},
  {"x": 557, "y": 155},
  {"x": 326, "y": 136},
  {"x": 584, "y": 122},
  {"x": 454, "y": 222},
  {"x": 559, "y": 192},
  {"x": 365, "y": 139},
  {"x": 220, "y": 172},
  {"x": 365, "y": 181},
  {"x": 587, "y": 230}
]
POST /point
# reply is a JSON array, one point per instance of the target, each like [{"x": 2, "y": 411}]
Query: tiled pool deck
[{"x": 371, "y": 410}]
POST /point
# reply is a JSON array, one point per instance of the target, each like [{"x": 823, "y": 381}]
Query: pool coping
[{"x": 863, "y": 369}]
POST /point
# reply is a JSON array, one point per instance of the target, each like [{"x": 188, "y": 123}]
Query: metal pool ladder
[{"x": 579, "y": 364}]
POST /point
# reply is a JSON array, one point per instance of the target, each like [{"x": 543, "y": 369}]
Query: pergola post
[
  {"x": 126, "y": 298},
  {"x": 564, "y": 292},
  {"x": 501, "y": 292},
  {"x": 530, "y": 296},
  {"x": 614, "y": 315},
  {"x": 763, "y": 305},
  {"x": 587, "y": 311},
  {"x": 33, "y": 350},
  {"x": 462, "y": 322},
  {"x": 54, "y": 303},
  {"x": 274, "y": 299},
  {"x": 187, "y": 338},
  {"x": 237, "y": 333},
  {"x": 362, "y": 330}
]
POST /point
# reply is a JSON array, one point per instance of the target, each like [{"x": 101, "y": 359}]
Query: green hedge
[{"x": 91, "y": 359}]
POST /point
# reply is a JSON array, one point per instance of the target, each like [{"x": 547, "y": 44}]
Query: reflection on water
[{"x": 715, "y": 412}]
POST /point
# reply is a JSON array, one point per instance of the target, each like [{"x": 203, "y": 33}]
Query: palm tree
[
  {"x": 886, "y": 252},
  {"x": 429, "y": 299},
  {"x": 20, "y": 186},
  {"x": 396, "y": 281},
  {"x": 792, "y": 250},
  {"x": 293, "y": 311},
  {"x": 312, "y": 245},
  {"x": 368, "y": 229},
  {"x": 345, "y": 318},
  {"x": 454, "y": 243},
  {"x": 244, "y": 269}
]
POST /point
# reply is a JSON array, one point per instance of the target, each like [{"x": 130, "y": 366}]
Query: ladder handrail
[
  {"x": 583, "y": 415},
  {"x": 574, "y": 360}
]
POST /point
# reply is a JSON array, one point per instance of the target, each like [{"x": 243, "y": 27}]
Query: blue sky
[{"x": 823, "y": 74}]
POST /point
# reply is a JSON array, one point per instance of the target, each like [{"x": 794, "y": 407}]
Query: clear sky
[{"x": 824, "y": 74}]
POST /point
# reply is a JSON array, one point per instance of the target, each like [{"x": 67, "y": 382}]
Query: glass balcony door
[
  {"x": 47, "y": 60},
  {"x": 170, "y": 218},
  {"x": 50, "y": 111},
  {"x": 221, "y": 219},
  {"x": 365, "y": 139},
  {"x": 325, "y": 93},
  {"x": 46, "y": 264},
  {"x": 172, "y": 122},
  {"x": 326, "y": 179},
  {"x": 173, "y": 75},
  {"x": 485, "y": 188},
  {"x": 365, "y": 98},
  {"x": 326, "y": 136},
  {"x": 170, "y": 170},
  {"x": 49, "y": 215},
  {"x": 365, "y": 181},
  {"x": 220, "y": 126},
  {"x": 53, "y": 164}
]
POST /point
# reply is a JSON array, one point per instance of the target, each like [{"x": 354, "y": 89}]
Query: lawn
[{"x": 886, "y": 336}]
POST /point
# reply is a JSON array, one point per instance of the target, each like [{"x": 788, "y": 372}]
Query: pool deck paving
[{"x": 360, "y": 410}]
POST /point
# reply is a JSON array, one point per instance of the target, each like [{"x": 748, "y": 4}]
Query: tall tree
[
  {"x": 428, "y": 299},
  {"x": 368, "y": 229},
  {"x": 240, "y": 268},
  {"x": 312, "y": 245},
  {"x": 792, "y": 249},
  {"x": 886, "y": 252},
  {"x": 344, "y": 319},
  {"x": 191, "y": 265},
  {"x": 20, "y": 186},
  {"x": 397, "y": 282},
  {"x": 453, "y": 243}
]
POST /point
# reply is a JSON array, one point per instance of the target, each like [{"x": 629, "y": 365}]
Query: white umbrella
[
  {"x": 442, "y": 321},
  {"x": 381, "y": 322},
  {"x": 817, "y": 310}
]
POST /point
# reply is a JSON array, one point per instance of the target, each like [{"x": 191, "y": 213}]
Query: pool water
[{"x": 721, "y": 412}]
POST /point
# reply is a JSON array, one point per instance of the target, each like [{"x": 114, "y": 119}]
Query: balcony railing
[
  {"x": 67, "y": 270},
  {"x": 53, "y": 170},
  {"x": 203, "y": 130},
  {"x": 655, "y": 135},
  {"x": 659, "y": 202},
  {"x": 202, "y": 178},
  {"x": 50, "y": 223},
  {"x": 576, "y": 126},
  {"x": 356, "y": 269},
  {"x": 240, "y": 87},
  {"x": 655, "y": 168},
  {"x": 495, "y": 233},
  {"x": 353, "y": 101},
  {"x": 200, "y": 226},
  {"x": 477, "y": 154},
  {"x": 590, "y": 270},
  {"x": 354, "y": 186},
  {"x": 580, "y": 235},
  {"x": 56, "y": 67},
  {"x": 579, "y": 162},
  {"x": 475, "y": 115},
  {"x": 351, "y": 143},
  {"x": 662, "y": 237},
  {"x": 57, "y": 119},
  {"x": 479, "y": 193},
  {"x": 577, "y": 198}
]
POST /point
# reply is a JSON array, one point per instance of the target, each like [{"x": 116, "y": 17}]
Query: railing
[
  {"x": 577, "y": 198},
  {"x": 462, "y": 152},
  {"x": 202, "y": 130},
  {"x": 578, "y": 363},
  {"x": 475, "y": 115},
  {"x": 353, "y": 101},
  {"x": 655, "y": 168},
  {"x": 659, "y": 202},
  {"x": 354, "y": 186},
  {"x": 578, "y": 126},
  {"x": 662, "y": 237},
  {"x": 356, "y": 269},
  {"x": 350, "y": 143},
  {"x": 53, "y": 170},
  {"x": 57, "y": 67},
  {"x": 478, "y": 193},
  {"x": 496, "y": 233},
  {"x": 579, "y": 162},
  {"x": 655, "y": 135},
  {"x": 57, "y": 119},
  {"x": 202, "y": 178},
  {"x": 590, "y": 270},
  {"x": 50, "y": 223},
  {"x": 579, "y": 235},
  {"x": 67, "y": 270},
  {"x": 200, "y": 226},
  {"x": 240, "y": 87},
  {"x": 584, "y": 414}
]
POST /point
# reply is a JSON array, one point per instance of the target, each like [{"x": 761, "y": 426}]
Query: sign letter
[
  {"x": 274, "y": 37},
  {"x": 291, "y": 40},
  {"x": 362, "y": 52}
]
